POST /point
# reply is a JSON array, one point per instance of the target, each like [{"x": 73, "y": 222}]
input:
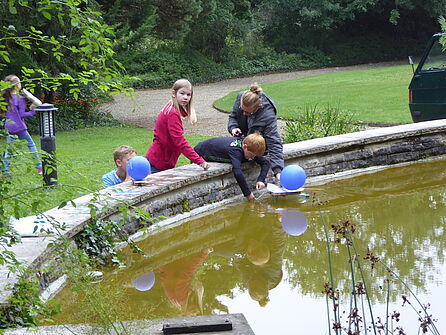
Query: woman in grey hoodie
[{"x": 254, "y": 111}]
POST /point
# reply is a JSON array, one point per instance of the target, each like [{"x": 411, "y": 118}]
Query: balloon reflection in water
[
  {"x": 294, "y": 223},
  {"x": 144, "y": 282}
]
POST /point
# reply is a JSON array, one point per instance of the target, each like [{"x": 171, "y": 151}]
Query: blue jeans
[{"x": 31, "y": 146}]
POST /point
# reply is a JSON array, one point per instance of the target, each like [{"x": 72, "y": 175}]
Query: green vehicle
[{"x": 427, "y": 89}]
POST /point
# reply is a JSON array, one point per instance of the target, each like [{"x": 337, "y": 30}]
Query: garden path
[{"x": 142, "y": 109}]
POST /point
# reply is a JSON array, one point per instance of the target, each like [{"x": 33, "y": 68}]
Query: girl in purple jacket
[{"x": 15, "y": 123}]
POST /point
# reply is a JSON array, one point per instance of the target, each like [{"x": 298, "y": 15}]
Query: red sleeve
[{"x": 176, "y": 131}]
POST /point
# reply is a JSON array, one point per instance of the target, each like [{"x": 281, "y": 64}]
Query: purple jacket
[{"x": 15, "y": 115}]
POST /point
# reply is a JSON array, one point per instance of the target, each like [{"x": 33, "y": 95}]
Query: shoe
[
  {"x": 4, "y": 175},
  {"x": 39, "y": 171}
]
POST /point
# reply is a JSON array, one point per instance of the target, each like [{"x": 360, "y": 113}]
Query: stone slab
[{"x": 147, "y": 327}]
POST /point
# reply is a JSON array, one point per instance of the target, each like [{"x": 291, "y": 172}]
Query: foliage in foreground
[
  {"x": 95, "y": 246},
  {"x": 316, "y": 122},
  {"x": 69, "y": 46}
]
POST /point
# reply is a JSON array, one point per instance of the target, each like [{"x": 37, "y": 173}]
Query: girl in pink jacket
[{"x": 168, "y": 141}]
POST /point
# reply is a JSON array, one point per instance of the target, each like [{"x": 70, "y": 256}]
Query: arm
[
  {"x": 236, "y": 118},
  {"x": 264, "y": 168},
  {"x": 22, "y": 109},
  {"x": 236, "y": 161},
  {"x": 274, "y": 145},
  {"x": 176, "y": 132}
]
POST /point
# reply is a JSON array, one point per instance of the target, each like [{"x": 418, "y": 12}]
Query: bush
[
  {"x": 315, "y": 122},
  {"x": 74, "y": 114},
  {"x": 161, "y": 66}
]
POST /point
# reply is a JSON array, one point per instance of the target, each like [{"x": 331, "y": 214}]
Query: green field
[{"x": 374, "y": 95}]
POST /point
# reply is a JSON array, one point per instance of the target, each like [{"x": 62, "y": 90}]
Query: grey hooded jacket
[{"x": 263, "y": 121}]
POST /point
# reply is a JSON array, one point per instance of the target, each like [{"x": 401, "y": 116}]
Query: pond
[{"x": 269, "y": 260}]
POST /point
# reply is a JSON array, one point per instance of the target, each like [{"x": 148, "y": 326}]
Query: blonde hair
[
  {"x": 253, "y": 97},
  {"x": 189, "y": 109},
  {"x": 257, "y": 252},
  {"x": 255, "y": 143},
  {"x": 122, "y": 151}
]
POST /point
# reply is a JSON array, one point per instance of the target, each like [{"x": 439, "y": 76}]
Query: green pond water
[{"x": 268, "y": 260}]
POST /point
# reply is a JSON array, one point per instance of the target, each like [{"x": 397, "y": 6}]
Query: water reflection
[
  {"x": 294, "y": 223},
  {"x": 277, "y": 248},
  {"x": 144, "y": 282},
  {"x": 256, "y": 250},
  {"x": 176, "y": 280}
]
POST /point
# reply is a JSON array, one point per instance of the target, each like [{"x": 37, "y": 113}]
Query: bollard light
[{"x": 48, "y": 143}]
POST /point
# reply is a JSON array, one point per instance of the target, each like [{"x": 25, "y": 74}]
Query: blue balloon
[
  {"x": 292, "y": 177},
  {"x": 138, "y": 167},
  {"x": 294, "y": 223},
  {"x": 144, "y": 282}
]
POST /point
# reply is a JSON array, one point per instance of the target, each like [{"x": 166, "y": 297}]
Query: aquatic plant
[{"x": 361, "y": 317}]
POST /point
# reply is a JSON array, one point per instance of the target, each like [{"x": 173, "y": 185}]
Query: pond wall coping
[
  {"x": 240, "y": 326},
  {"x": 180, "y": 192}
]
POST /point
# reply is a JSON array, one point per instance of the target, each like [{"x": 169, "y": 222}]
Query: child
[
  {"x": 15, "y": 123},
  {"x": 254, "y": 111},
  {"x": 168, "y": 141},
  {"x": 235, "y": 151},
  {"x": 121, "y": 156}
]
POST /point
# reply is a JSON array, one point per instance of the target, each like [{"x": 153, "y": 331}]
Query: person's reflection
[
  {"x": 180, "y": 286},
  {"x": 258, "y": 249}
]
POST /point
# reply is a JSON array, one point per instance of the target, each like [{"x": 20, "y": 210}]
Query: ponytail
[{"x": 253, "y": 96}]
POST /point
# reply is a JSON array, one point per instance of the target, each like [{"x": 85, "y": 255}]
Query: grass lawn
[
  {"x": 374, "y": 95},
  {"x": 83, "y": 156}
]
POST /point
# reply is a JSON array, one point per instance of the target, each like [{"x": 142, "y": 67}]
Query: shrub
[
  {"x": 315, "y": 122},
  {"x": 161, "y": 66}
]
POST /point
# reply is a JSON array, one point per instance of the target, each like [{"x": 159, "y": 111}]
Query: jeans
[
  {"x": 153, "y": 169},
  {"x": 31, "y": 146}
]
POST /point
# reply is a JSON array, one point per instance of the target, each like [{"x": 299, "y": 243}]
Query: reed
[{"x": 361, "y": 317}]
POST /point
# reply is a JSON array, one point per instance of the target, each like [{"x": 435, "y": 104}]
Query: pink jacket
[{"x": 169, "y": 142}]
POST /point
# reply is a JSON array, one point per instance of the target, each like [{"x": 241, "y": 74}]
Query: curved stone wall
[{"x": 188, "y": 188}]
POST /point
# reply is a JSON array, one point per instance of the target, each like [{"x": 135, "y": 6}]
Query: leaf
[
  {"x": 5, "y": 56},
  {"x": 62, "y": 204},
  {"x": 47, "y": 15}
]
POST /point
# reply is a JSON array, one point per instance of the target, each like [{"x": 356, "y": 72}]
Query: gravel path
[{"x": 142, "y": 109}]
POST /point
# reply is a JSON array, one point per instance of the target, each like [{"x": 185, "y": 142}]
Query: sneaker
[
  {"x": 39, "y": 171},
  {"x": 4, "y": 175}
]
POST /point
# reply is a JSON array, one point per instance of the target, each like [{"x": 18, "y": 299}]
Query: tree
[
  {"x": 293, "y": 24},
  {"x": 175, "y": 17},
  {"x": 218, "y": 20},
  {"x": 67, "y": 44}
]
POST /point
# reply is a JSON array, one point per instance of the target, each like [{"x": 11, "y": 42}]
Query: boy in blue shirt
[
  {"x": 235, "y": 151},
  {"x": 121, "y": 156}
]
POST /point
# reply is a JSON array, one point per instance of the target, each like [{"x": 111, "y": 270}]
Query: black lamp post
[{"x": 48, "y": 143}]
